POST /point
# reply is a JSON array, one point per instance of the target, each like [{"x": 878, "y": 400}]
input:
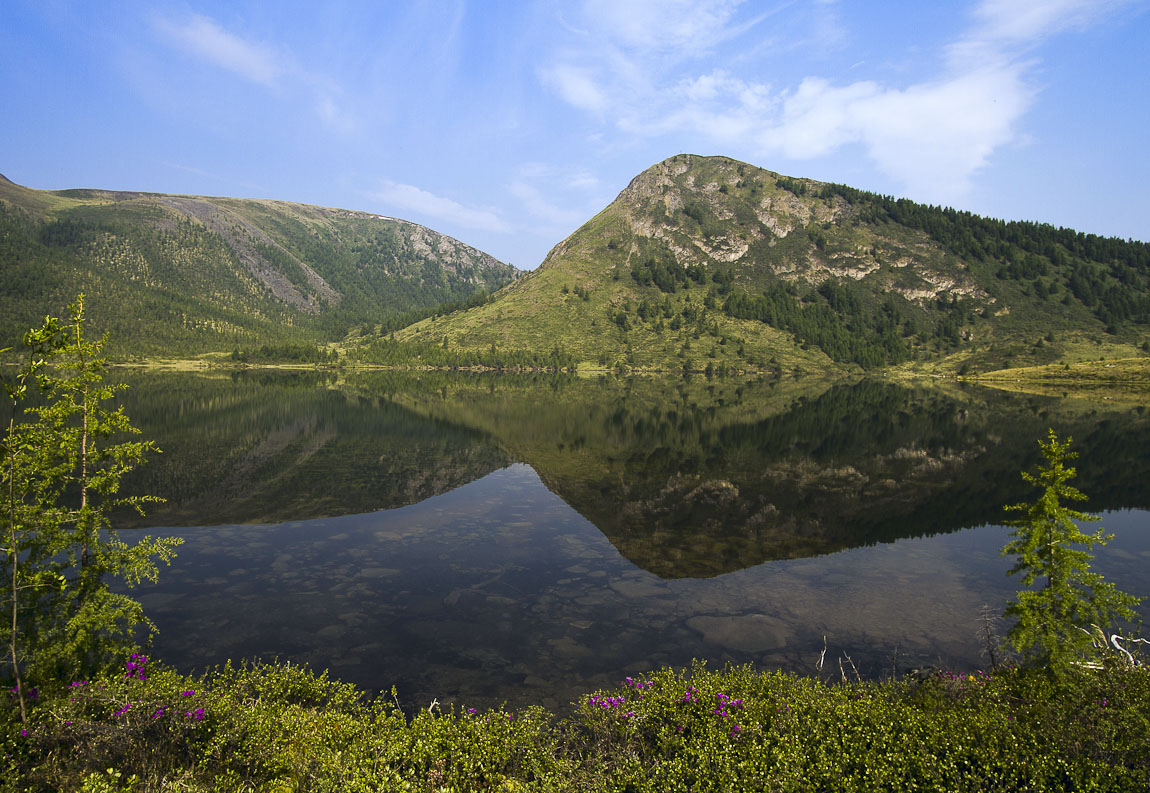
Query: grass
[
  {"x": 1116, "y": 380},
  {"x": 282, "y": 727}
]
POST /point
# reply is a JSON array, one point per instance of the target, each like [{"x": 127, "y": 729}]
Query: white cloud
[
  {"x": 722, "y": 107},
  {"x": 639, "y": 63},
  {"x": 931, "y": 137},
  {"x": 409, "y": 198},
  {"x": 204, "y": 38},
  {"x": 1026, "y": 20},
  {"x": 577, "y": 87},
  {"x": 818, "y": 117},
  {"x": 329, "y": 110},
  {"x": 680, "y": 26}
]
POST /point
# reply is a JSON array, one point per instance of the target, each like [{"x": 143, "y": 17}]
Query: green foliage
[
  {"x": 270, "y": 727},
  {"x": 285, "y": 353},
  {"x": 402, "y": 320},
  {"x": 413, "y": 354},
  {"x": 1052, "y": 619},
  {"x": 795, "y": 186},
  {"x": 664, "y": 271},
  {"x": 1108, "y": 275},
  {"x": 281, "y": 727},
  {"x": 838, "y": 326},
  {"x": 742, "y": 729},
  {"x": 61, "y": 477}
]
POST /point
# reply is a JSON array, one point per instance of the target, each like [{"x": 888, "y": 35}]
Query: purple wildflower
[{"x": 135, "y": 666}]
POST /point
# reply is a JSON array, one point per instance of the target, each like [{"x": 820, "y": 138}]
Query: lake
[{"x": 482, "y": 539}]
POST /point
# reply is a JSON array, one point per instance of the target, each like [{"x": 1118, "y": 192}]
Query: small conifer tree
[
  {"x": 60, "y": 474},
  {"x": 1064, "y": 598}
]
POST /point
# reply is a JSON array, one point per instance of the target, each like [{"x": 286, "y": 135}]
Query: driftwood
[{"x": 1104, "y": 643}]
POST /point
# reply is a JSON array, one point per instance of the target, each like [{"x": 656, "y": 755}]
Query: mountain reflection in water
[{"x": 483, "y": 539}]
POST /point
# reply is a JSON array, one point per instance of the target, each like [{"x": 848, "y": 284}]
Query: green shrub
[{"x": 282, "y": 727}]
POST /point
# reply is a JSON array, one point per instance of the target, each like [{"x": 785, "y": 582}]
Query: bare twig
[
  {"x": 990, "y": 637},
  {"x": 854, "y": 669}
]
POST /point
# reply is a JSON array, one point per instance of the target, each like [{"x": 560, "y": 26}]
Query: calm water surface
[{"x": 500, "y": 540}]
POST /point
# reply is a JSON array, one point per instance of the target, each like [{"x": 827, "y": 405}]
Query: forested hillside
[
  {"x": 185, "y": 274},
  {"x": 709, "y": 263},
  {"x": 700, "y": 264}
]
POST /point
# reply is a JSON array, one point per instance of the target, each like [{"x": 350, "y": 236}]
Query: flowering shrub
[{"x": 276, "y": 726}]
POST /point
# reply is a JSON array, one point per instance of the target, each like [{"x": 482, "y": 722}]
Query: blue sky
[{"x": 508, "y": 123}]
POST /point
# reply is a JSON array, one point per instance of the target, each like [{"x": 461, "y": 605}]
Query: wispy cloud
[
  {"x": 681, "y": 27},
  {"x": 646, "y": 66},
  {"x": 1027, "y": 20},
  {"x": 538, "y": 205},
  {"x": 215, "y": 176},
  {"x": 257, "y": 62},
  {"x": 558, "y": 198},
  {"x": 577, "y": 86},
  {"x": 409, "y": 198},
  {"x": 203, "y": 38}
]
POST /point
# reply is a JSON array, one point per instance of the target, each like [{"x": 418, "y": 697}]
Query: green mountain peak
[{"x": 711, "y": 263}]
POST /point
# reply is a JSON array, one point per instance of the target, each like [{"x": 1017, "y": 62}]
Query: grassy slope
[
  {"x": 542, "y": 310},
  {"x": 1115, "y": 380}
]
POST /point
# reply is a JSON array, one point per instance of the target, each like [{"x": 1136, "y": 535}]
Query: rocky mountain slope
[
  {"x": 709, "y": 263},
  {"x": 175, "y": 273}
]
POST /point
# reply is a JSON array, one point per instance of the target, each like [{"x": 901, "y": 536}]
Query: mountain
[
  {"x": 696, "y": 477},
  {"x": 686, "y": 477},
  {"x": 249, "y": 447},
  {"x": 706, "y": 262},
  {"x": 178, "y": 273}
]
